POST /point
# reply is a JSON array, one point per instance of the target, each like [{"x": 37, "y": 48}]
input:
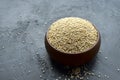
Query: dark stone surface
[{"x": 23, "y": 24}]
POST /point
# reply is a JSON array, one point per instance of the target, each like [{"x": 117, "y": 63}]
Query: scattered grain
[
  {"x": 29, "y": 71},
  {"x": 118, "y": 69},
  {"x": 108, "y": 76},
  {"x": 3, "y": 47},
  {"x": 43, "y": 71},
  {"x": 40, "y": 76},
  {"x": 59, "y": 77},
  {"x": 87, "y": 78},
  {"x": 99, "y": 76},
  {"x": 81, "y": 78},
  {"x": 106, "y": 58}
]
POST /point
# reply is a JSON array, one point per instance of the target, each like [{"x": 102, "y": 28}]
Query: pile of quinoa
[{"x": 72, "y": 35}]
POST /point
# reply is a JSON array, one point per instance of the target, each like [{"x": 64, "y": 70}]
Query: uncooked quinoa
[{"x": 72, "y": 35}]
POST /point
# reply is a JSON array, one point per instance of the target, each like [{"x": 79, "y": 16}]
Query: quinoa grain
[{"x": 72, "y": 35}]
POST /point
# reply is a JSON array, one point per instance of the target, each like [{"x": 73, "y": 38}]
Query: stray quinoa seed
[{"x": 72, "y": 35}]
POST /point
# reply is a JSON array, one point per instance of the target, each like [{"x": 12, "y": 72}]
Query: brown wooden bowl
[{"x": 73, "y": 59}]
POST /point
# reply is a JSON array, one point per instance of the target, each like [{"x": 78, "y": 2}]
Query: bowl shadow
[{"x": 67, "y": 70}]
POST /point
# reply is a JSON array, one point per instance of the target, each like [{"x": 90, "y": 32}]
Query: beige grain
[{"x": 72, "y": 35}]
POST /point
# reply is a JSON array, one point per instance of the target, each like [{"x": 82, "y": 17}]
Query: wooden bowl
[{"x": 73, "y": 59}]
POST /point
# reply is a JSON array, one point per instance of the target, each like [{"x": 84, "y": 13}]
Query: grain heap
[{"x": 72, "y": 35}]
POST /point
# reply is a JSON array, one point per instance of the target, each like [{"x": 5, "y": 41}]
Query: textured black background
[{"x": 23, "y": 24}]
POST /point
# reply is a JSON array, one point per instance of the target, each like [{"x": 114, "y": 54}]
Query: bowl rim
[{"x": 98, "y": 38}]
